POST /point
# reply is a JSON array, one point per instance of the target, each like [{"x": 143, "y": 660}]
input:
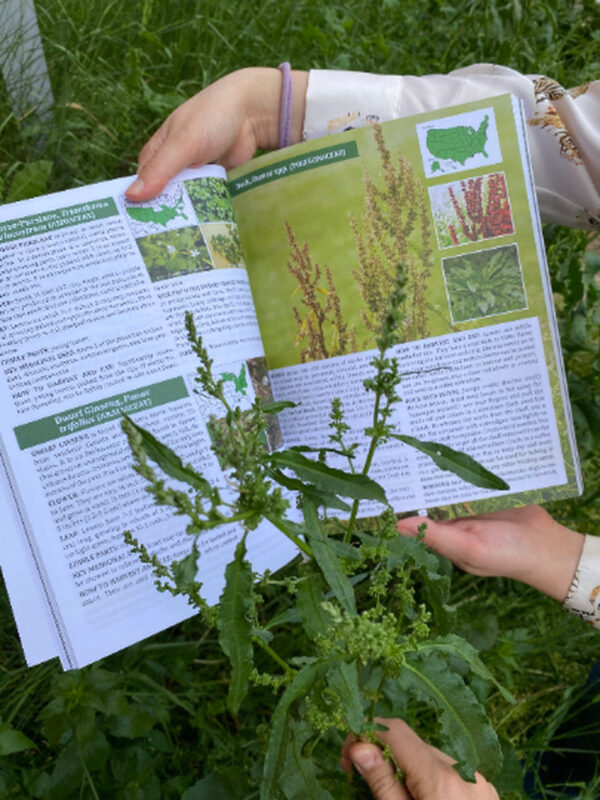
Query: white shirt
[{"x": 563, "y": 125}]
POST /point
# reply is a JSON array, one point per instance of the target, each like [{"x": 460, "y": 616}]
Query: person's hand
[
  {"x": 522, "y": 543},
  {"x": 225, "y": 123},
  {"x": 429, "y": 774}
]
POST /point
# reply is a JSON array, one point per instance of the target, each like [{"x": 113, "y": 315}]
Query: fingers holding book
[{"x": 225, "y": 123}]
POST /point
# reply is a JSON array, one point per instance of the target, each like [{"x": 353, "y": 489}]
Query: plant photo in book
[{"x": 477, "y": 340}]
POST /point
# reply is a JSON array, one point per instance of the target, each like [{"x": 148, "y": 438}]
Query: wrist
[
  {"x": 262, "y": 92},
  {"x": 554, "y": 561}
]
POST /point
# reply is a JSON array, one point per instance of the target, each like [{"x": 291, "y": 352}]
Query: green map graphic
[
  {"x": 457, "y": 144},
  {"x": 239, "y": 381},
  {"x": 161, "y": 217}
]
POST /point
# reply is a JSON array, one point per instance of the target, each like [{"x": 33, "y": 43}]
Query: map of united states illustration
[
  {"x": 458, "y": 143},
  {"x": 161, "y": 217},
  {"x": 164, "y": 212}
]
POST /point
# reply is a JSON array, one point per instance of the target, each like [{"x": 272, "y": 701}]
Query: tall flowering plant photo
[
  {"x": 394, "y": 228},
  {"x": 471, "y": 210}
]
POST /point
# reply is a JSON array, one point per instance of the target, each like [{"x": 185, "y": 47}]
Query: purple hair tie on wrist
[{"x": 285, "y": 108}]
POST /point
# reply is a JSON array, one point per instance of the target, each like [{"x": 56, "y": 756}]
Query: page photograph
[{"x": 441, "y": 199}]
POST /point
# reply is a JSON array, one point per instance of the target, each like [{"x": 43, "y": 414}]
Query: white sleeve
[
  {"x": 583, "y": 597},
  {"x": 563, "y": 125}
]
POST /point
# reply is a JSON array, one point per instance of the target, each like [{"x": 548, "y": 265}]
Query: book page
[
  {"x": 95, "y": 291},
  {"x": 31, "y": 612},
  {"x": 448, "y": 195}
]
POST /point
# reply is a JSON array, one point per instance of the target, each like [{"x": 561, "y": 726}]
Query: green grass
[
  {"x": 152, "y": 720},
  {"x": 118, "y": 68}
]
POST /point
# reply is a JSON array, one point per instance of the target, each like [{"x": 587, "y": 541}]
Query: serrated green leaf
[
  {"x": 65, "y": 773},
  {"x": 436, "y": 585},
  {"x": 290, "y": 615},
  {"x": 186, "y": 570},
  {"x": 454, "y": 461},
  {"x": 344, "y": 681},
  {"x": 320, "y": 497},
  {"x": 468, "y": 735},
  {"x": 298, "y": 780},
  {"x": 457, "y": 646},
  {"x": 92, "y": 744},
  {"x": 12, "y": 741},
  {"x": 346, "y": 484},
  {"x": 327, "y": 560},
  {"x": 510, "y": 778},
  {"x": 263, "y": 634},
  {"x": 30, "y": 181},
  {"x": 309, "y": 600},
  {"x": 168, "y": 461},
  {"x": 402, "y": 548},
  {"x": 235, "y": 628},
  {"x": 275, "y": 757},
  {"x": 345, "y": 550}
]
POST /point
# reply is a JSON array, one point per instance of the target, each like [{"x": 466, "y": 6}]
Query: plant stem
[
  {"x": 376, "y": 698},
  {"x": 86, "y": 772},
  {"x": 374, "y": 438},
  {"x": 283, "y": 664},
  {"x": 298, "y": 542},
  {"x": 367, "y": 464}
]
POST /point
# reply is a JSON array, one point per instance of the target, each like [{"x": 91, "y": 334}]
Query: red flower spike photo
[{"x": 471, "y": 210}]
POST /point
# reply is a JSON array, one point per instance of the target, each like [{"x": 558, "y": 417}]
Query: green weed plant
[
  {"x": 174, "y": 253},
  {"x": 228, "y": 245},
  {"x": 210, "y": 199},
  {"x": 484, "y": 283},
  {"x": 366, "y": 625}
]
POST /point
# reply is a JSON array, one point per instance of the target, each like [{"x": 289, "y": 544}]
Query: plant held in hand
[{"x": 366, "y": 627}]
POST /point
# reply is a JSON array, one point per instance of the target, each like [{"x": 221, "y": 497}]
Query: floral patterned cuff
[{"x": 583, "y": 597}]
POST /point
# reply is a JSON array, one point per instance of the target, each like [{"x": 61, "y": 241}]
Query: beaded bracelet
[
  {"x": 285, "y": 108},
  {"x": 583, "y": 597}
]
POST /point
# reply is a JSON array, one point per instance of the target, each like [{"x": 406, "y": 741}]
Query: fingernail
[
  {"x": 136, "y": 186},
  {"x": 365, "y": 758}
]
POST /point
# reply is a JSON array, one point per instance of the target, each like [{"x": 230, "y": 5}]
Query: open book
[{"x": 288, "y": 302}]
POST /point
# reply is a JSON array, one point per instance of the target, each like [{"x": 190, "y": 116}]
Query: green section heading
[
  {"x": 281, "y": 169},
  {"x": 48, "y": 221},
  {"x": 99, "y": 412}
]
